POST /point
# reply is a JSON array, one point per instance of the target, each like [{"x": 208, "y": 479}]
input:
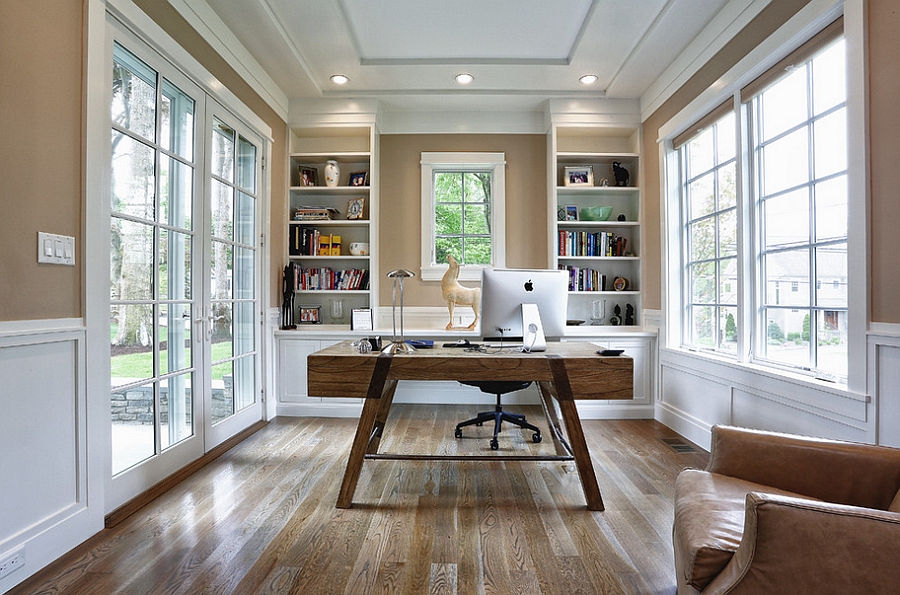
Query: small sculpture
[
  {"x": 629, "y": 315},
  {"x": 455, "y": 294},
  {"x": 621, "y": 174}
]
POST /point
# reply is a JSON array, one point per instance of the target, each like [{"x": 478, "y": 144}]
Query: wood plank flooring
[{"x": 261, "y": 518}]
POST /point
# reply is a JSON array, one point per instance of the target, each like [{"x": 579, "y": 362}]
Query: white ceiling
[{"x": 521, "y": 52}]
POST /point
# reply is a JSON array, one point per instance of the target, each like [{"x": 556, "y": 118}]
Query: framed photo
[
  {"x": 356, "y": 208},
  {"x": 578, "y": 175},
  {"x": 361, "y": 319},
  {"x": 309, "y": 176},
  {"x": 310, "y": 314},
  {"x": 571, "y": 212},
  {"x": 359, "y": 178}
]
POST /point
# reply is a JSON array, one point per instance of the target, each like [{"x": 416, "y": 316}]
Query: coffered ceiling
[{"x": 406, "y": 52}]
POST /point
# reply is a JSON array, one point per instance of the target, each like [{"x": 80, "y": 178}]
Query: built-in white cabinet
[
  {"x": 331, "y": 229},
  {"x": 595, "y": 200}
]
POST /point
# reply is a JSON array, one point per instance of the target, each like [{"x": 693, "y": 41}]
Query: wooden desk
[{"x": 565, "y": 372}]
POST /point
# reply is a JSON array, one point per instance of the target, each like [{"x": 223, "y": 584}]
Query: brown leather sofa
[{"x": 775, "y": 513}]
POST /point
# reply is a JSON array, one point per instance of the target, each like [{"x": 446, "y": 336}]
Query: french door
[{"x": 184, "y": 264}]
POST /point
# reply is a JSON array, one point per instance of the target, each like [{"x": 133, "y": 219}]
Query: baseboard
[{"x": 125, "y": 510}]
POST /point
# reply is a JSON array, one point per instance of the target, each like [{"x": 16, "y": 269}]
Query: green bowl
[{"x": 595, "y": 213}]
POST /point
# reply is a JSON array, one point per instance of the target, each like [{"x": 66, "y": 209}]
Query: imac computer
[{"x": 523, "y": 306}]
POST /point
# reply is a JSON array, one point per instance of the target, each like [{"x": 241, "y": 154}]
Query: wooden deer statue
[{"x": 455, "y": 294}]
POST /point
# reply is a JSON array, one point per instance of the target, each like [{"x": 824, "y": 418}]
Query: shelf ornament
[{"x": 455, "y": 294}]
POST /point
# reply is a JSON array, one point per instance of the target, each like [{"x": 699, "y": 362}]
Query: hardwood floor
[{"x": 261, "y": 518}]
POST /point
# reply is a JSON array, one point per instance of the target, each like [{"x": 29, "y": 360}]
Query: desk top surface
[{"x": 340, "y": 371}]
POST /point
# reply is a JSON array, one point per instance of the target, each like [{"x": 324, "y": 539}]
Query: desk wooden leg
[
  {"x": 576, "y": 434},
  {"x": 370, "y": 413},
  {"x": 384, "y": 407}
]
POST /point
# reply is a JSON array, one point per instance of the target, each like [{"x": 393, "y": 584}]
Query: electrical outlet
[{"x": 12, "y": 562}]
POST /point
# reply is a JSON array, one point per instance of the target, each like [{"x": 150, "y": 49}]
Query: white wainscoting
[
  {"x": 884, "y": 378},
  {"x": 43, "y": 437},
  {"x": 697, "y": 392}
]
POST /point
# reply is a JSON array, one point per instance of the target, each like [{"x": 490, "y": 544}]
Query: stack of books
[
  {"x": 314, "y": 213},
  {"x": 309, "y": 241},
  {"x": 584, "y": 279}
]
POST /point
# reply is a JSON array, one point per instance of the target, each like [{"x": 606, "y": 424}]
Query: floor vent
[{"x": 679, "y": 445}]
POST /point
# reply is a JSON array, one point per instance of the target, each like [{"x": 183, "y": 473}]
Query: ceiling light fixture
[
  {"x": 588, "y": 79},
  {"x": 464, "y": 78},
  {"x": 339, "y": 79}
]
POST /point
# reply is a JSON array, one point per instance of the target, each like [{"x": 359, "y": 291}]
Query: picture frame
[
  {"x": 361, "y": 319},
  {"x": 359, "y": 178},
  {"x": 310, "y": 314},
  {"x": 309, "y": 176},
  {"x": 356, "y": 208},
  {"x": 571, "y": 212},
  {"x": 578, "y": 175}
]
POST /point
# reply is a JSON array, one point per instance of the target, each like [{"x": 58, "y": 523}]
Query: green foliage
[
  {"x": 463, "y": 217},
  {"x": 806, "y": 328},
  {"x": 730, "y": 328},
  {"x": 775, "y": 333}
]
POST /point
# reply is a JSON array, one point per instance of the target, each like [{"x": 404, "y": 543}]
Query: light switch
[{"x": 56, "y": 249}]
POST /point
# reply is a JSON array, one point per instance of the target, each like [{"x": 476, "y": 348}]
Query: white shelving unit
[
  {"x": 575, "y": 243},
  {"x": 353, "y": 148}
]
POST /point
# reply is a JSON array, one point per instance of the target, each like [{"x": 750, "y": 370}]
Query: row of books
[
  {"x": 309, "y": 241},
  {"x": 328, "y": 279},
  {"x": 584, "y": 279},
  {"x": 585, "y": 243}
]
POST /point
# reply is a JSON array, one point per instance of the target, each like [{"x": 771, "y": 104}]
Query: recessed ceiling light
[
  {"x": 588, "y": 79},
  {"x": 339, "y": 79},
  {"x": 464, "y": 78}
]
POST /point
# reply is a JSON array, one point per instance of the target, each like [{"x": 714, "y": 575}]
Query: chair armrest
[
  {"x": 833, "y": 471},
  {"x": 796, "y": 546}
]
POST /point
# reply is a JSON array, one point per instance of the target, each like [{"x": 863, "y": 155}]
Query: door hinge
[
  {"x": 263, "y": 162},
  {"x": 262, "y": 240}
]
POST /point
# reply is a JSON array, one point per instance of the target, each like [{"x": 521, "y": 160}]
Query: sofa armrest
[
  {"x": 796, "y": 546},
  {"x": 842, "y": 472}
]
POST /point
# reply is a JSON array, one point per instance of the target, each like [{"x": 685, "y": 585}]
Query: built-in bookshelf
[
  {"x": 596, "y": 225},
  {"x": 331, "y": 232}
]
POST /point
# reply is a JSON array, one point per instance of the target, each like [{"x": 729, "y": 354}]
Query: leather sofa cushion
[{"x": 709, "y": 521}]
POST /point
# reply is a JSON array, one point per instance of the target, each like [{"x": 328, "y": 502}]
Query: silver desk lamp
[{"x": 398, "y": 346}]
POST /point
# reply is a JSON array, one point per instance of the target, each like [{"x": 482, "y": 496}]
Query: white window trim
[
  {"x": 806, "y": 22},
  {"x": 432, "y": 162}
]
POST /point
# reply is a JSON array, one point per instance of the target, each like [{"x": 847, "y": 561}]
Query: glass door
[
  {"x": 184, "y": 258},
  {"x": 233, "y": 317}
]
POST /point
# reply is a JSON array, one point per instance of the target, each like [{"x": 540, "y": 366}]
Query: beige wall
[
  {"x": 400, "y": 212},
  {"x": 884, "y": 148},
  {"x": 41, "y": 159},
  {"x": 40, "y": 155},
  {"x": 884, "y": 151},
  {"x": 41, "y": 107}
]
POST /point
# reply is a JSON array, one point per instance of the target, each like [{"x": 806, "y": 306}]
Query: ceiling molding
[
  {"x": 207, "y": 23},
  {"x": 722, "y": 29}
]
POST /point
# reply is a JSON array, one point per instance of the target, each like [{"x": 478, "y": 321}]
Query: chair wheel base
[
  {"x": 495, "y": 445},
  {"x": 536, "y": 438}
]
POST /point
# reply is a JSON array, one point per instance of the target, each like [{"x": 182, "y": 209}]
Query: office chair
[{"x": 498, "y": 416}]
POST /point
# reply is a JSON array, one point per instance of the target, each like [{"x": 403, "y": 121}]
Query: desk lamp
[{"x": 398, "y": 346}]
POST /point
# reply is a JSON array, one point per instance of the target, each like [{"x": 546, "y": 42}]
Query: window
[
  {"x": 779, "y": 297},
  {"x": 462, "y": 212},
  {"x": 798, "y": 142},
  {"x": 710, "y": 231}
]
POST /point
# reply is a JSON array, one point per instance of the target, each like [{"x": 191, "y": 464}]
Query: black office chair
[{"x": 498, "y": 416}]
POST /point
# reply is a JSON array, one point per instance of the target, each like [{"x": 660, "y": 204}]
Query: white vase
[{"x": 332, "y": 173}]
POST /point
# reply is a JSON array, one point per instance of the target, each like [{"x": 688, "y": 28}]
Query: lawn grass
[{"x": 140, "y": 365}]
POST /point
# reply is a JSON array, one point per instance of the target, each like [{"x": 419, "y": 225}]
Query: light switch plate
[{"x": 56, "y": 249}]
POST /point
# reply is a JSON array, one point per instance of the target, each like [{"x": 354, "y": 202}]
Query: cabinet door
[{"x": 292, "y": 353}]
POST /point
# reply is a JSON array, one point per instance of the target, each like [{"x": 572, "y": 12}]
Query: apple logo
[{"x": 529, "y": 286}]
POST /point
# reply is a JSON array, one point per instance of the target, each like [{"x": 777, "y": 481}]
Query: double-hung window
[
  {"x": 463, "y": 196},
  {"x": 763, "y": 204}
]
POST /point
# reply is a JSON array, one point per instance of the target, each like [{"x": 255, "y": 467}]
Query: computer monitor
[{"x": 503, "y": 293}]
